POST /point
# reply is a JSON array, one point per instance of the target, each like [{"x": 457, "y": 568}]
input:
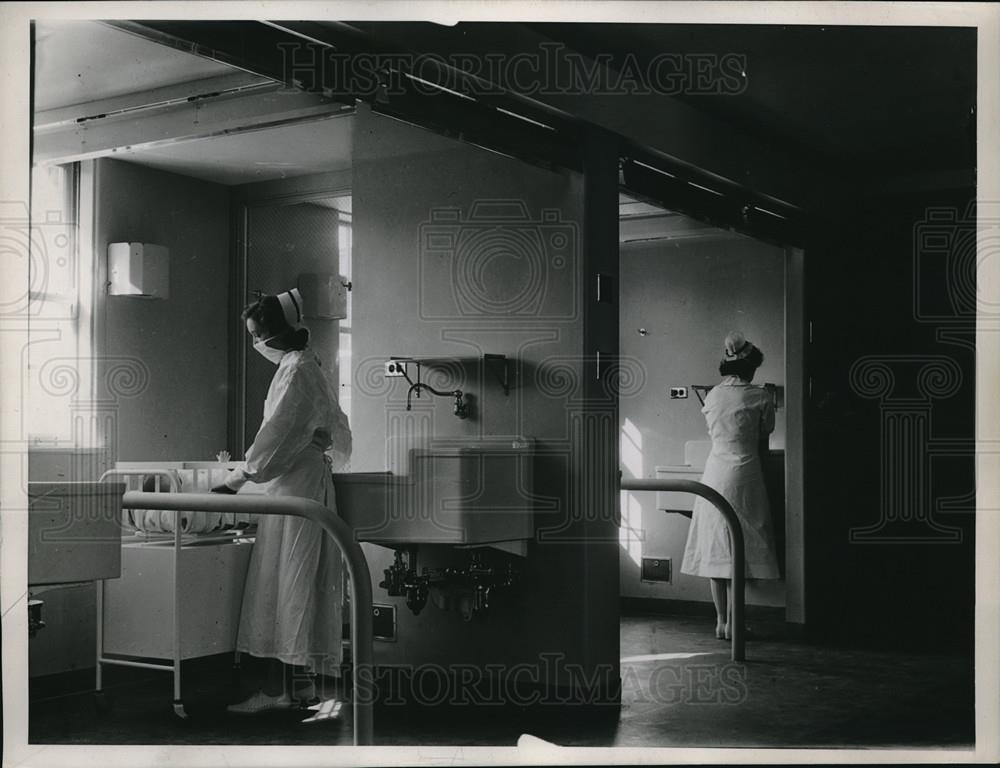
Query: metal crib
[{"x": 169, "y": 553}]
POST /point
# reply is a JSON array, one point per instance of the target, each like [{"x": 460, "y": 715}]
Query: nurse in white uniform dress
[
  {"x": 292, "y": 600},
  {"x": 740, "y": 416}
]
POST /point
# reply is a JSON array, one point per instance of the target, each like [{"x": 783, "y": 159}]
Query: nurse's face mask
[
  {"x": 269, "y": 353},
  {"x": 261, "y": 345}
]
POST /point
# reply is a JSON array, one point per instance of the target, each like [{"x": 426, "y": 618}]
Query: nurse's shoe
[
  {"x": 748, "y": 634},
  {"x": 305, "y": 696},
  {"x": 261, "y": 702}
]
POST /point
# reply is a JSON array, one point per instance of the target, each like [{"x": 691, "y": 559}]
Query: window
[
  {"x": 285, "y": 239},
  {"x": 60, "y": 309},
  {"x": 344, "y": 346}
]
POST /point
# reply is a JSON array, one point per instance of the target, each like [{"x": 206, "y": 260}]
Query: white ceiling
[
  {"x": 640, "y": 222},
  {"x": 341, "y": 203},
  {"x": 84, "y": 61},
  {"x": 631, "y": 208},
  {"x": 81, "y": 61},
  {"x": 292, "y": 150}
]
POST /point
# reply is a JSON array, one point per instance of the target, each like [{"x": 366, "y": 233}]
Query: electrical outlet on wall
[
  {"x": 656, "y": 569},
  {"x": 678, "y": 393},
  {"x": 395, "y": 368}
]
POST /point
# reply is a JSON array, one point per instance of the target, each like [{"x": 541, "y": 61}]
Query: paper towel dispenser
[
  {"x": 139, "y": 269},
  {"x": 324, "y": 295}
]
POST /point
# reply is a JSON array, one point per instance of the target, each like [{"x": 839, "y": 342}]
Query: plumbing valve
[
  {"x": 416, "y": 594},
  {"x": 473, "y": 590},
  {"x": 401, "y": 579},
  {"x": 396, "y": 575},
  {"x": 461, "y": 407}
]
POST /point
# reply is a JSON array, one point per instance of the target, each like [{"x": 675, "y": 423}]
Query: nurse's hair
[
  {"x": 744, "y": 367},
  {"x": 267, "y": 312}
]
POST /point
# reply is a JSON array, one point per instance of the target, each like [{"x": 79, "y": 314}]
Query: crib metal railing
[
  {"x": 357, "y": 568},
  {"x": 736, "y": 537}
]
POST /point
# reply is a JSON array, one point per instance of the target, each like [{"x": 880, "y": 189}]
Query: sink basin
[
  {"x": 457, "y": 493},
  {"x": 677, "y": 501},
  {"x": 74, "y": 532},
  {"x": 695, "y": 455}
]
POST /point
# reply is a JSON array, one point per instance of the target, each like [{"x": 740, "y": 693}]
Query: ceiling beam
[
  {"x": 668, "y": 227},
  {"x": 577, "y": 85},
  {"x": 313, "y": 56},
  {"x": 176, "y": 122},
  {"x": 723, "y": 176},
  {"x": 192, "y": 90}
]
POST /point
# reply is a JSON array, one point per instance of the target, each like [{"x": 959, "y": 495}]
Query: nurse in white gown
[
  {"x": 292, "y": 600},
  {"x": 740, "y": 416}
]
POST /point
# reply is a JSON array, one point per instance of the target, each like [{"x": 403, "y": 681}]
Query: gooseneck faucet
[{"x": 461, "y": 408}]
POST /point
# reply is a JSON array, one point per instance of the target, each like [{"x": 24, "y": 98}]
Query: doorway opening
[
  {"x": 684, "y": 285},
  {"x": 304, "y": 243}
]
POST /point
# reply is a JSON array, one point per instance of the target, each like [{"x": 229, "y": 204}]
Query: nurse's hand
[
  {"x": 235, "y": 480},
  {"x": 222, "y": 489}
]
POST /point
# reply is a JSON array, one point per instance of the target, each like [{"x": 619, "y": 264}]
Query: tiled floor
[{"x": 680, "y": 689}]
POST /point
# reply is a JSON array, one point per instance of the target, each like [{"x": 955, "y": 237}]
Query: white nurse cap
[
  {"x": 291, "y": 307},
  {"x": 737, "y": 347}
]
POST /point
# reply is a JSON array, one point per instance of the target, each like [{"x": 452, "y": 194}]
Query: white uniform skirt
[
  {"x": 292, "y": 602},
  {"x": 739, "y": 477}
]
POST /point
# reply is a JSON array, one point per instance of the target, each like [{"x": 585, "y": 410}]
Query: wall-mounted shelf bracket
[
  {"x": 498, "y": 365},
  {"x": 701, "y": 390},
  {"x": 776, "y": 391}
]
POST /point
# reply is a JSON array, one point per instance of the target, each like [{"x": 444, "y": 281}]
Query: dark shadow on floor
[{"x": 679, "y": 689}]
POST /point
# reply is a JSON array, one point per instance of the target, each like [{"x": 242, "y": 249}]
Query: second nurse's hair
[{"x": 744, "y": 367}]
